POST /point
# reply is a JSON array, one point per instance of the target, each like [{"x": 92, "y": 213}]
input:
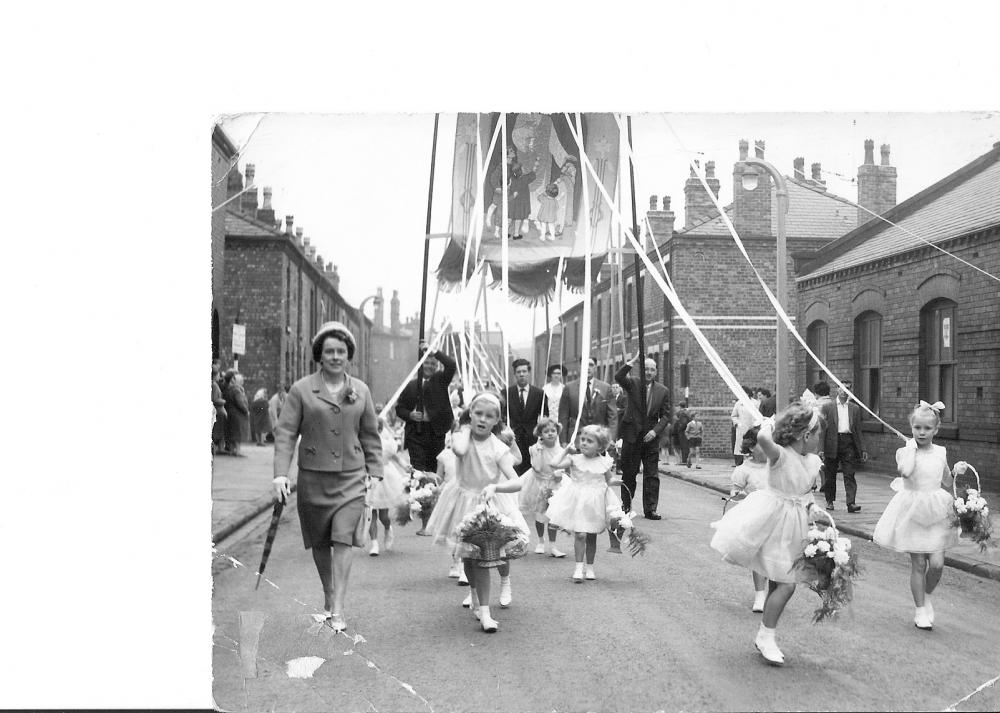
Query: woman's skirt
[{"x": 330, "y": 505}]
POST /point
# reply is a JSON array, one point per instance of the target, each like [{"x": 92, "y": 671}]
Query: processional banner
[{"x": 545, "y": 206}]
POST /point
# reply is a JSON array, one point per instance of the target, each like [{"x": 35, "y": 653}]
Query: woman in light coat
[{"x": 334, "y": 413}]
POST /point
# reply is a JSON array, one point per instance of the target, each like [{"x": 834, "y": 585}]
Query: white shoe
[
  {"x": 467, "y": 602},
  {"x": 929, "y": 608},
  {"x": 769, "y": 650},
  {"x": 590, "y": 573},
  {"x": 389, "y": 538},
  {"x": 921, "y": 620},
  {"x": 489, "y": 624},
  {"x": 374, "y": 550},
  {"x": 505, "y": 594},
  {"x": 462, "y": 580},
  {"x": 455, "y": 572},
  {"x": 556, "y": 553},
  {"x": 578, "y": 573},
  {"x": 758, "y": 601},
  {"x": 540, "y": 549}
]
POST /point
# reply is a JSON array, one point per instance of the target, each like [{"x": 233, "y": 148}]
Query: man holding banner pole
[{"x": 425, "y": 406}]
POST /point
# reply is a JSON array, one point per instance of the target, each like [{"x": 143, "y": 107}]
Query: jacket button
[
  {"x": 336, "y": 455},
  {"x": 336, "y": 432}
]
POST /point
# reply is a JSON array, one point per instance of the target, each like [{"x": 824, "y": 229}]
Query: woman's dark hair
[
  {"x": 336, "y": 334},
  {"x": 749, "y": 440},
  {"x": 821, "y": 388},
  {"x": 765, "y": 392},
  {"x": 554, "y": 368}
]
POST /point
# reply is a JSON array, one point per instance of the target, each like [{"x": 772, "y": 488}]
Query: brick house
[
  {"x": 717, "y": 286},
  {"x": 908, "y": 322},
  {"x": 278, "y": 287},
  {"x": 223, "y": 158}
]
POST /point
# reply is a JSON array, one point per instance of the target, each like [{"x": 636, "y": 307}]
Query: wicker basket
[
  {"x": 969, "y": 520},
  {"x": 489, "y": 555}
]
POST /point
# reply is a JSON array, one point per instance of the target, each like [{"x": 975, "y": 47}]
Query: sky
[{"x": 358, "y": 183}]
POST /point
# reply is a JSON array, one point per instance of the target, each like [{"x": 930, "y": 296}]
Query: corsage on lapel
[{"x": 350, "y": 395}]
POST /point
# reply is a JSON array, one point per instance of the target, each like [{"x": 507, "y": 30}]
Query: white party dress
[
  {"x": 538, "y": 479},
  {"x": 767, "y": 532},
  {"x": 917, "y": 519},
  {"x": 583, "y": 501},
  {"x": 388, "y": 492}
]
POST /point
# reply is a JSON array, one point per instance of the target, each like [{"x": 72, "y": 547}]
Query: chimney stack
[
  {"x": 266, "y": 212},
  {"x": 751, "y": 209},
  {"x": 248, "y": 201},
  {"x": 234, "y": 182},
  {"x": 876, "y": 184},
  {"x": 653, "y": 200},
  {"x": 289, "y": 220},
  {"x": 817, "y": 176},
  {"x": 662, "y": 221},
  {"x": 379, "y": 309},
  {"x": 394, "y": 312},
  {"x": 335, "y": 279},
  {"x": 799, "y": 168},
  {"x": 250, "y": 172},
  {"x": 698, "y": 206},
  {"x": 298, "y": 233}
]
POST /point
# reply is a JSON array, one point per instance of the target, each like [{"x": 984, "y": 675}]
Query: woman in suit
[{"x": 334, "y": 414}]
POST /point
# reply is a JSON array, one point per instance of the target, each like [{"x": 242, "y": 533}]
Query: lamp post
[
  {"x": 361, "y": 310},
  {"x": 750, "y": 183}
]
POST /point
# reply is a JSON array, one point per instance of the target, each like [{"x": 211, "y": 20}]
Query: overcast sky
[{"x": 357, "y": 183}]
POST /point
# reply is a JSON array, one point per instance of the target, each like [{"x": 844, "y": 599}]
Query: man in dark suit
[
  {"x": 425, "y": 406},
  {"x": 523, "y": 407},
  {"x": 842, "y": 447},
  {"x": 598, "y": 406},
  {"x": 640, "y": 431}
]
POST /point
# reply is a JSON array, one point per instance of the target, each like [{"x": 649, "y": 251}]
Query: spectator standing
[
  {"x": 681, "y": 419},
  {"x": 218, "y": 411},
  {"x": 238, "y": 410},
  {"x": 694, "y": 431},
  {"x": 425, "y": 406},
  {"x": 522, "y": 410},
  {"x": 768, "y": 404},
  {"x": 553, "y": 390},
  {"x": 742, "y": 420},
  {"x": 842, "y": 448},
  {"x": 260, "y": 418}
]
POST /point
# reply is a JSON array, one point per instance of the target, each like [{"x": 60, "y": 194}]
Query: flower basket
[
  {"x": 421, "y": 496},
  {"x": 829, "y": 558},
  {"x": 634, "y": 540},
  {"x": 489, "y": 537},
  {"x": 970, "y": 511}
]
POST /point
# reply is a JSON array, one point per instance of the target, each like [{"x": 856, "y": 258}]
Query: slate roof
[
  {"x": 811, "y": 214},
  {"x": 243, "y": 225},
  {"x": 964, "y": 202}
]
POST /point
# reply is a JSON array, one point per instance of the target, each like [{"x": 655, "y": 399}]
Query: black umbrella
[{"x": 279, "y": 505}]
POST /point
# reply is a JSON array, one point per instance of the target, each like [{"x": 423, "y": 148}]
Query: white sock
[
  {"x": 764, "y": 633},
  {"x": 505, "y": 580},
  {"x": 920, "y": 611}
]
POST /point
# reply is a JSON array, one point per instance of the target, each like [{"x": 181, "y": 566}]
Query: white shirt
[
  {"x": 843, "y": 418},
  {"x": 553, "y": 393}
]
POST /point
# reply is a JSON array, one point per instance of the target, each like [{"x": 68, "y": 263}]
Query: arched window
[
  {"x": 868, "y": 358},
  {"x": 816, "y": 339},
  {"x": 938, "y": 355}
]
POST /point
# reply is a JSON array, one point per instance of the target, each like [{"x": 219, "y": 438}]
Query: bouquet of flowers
[
  {"x": 632, "y": 538},
  {"x": 971, "y": 512},
  {"x": 489, "y": 536},
  {"x": 421, "y": 495},
  {"x": 829, "y": 557}
]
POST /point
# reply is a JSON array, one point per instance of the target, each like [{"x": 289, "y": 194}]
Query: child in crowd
[
  {"x": 693, "y": 431},
  {"x": 917, "y": 519},
  {"x": 482, "y": 462},
  {"x": 388, "y": 492},
  {"x": 584, "y": 500},
  {"x": 538, "y": 484},
  {"x": 765, "y": 533},
  {"x": 548, "y": 210},
  {"x": 747, "y": 477}
]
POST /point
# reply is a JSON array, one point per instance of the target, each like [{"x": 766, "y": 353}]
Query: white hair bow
[
  {"x": 936, "y": 407},
  {"x": 808, "y": 399}
]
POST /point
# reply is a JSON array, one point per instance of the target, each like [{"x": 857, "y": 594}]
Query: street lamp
[
  {"x": 750, "y": 180},
  {"x": 361, "y": 310}
]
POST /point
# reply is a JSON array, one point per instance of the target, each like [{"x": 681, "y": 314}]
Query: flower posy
[
  {"x": 972, "y": 512},
  {"x": 829, "y": 557}
]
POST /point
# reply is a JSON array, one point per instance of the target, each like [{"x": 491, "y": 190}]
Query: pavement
[{"x": 241, "y": 490}]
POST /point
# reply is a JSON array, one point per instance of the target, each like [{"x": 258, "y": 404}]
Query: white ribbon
[
  {"x": 431, "y": 348},
  {"x": 936, "y": 407}
]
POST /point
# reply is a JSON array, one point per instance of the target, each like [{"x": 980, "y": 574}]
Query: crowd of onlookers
[{"x": 237, "y": 419}]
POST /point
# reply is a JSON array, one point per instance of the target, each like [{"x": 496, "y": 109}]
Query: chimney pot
[
  {"x": 289, "y": 220},
  {"x": 652, "y": 202},
  {"x": 305, "y": 242},
  {"x": 250, "y": 172},
  {"x": 329, "y": 267},
  {"x": 666, "y": 203},
  {"x": 299, "y": 231},
  {"x": 744, "y": 148},
  {"x": 267, "y": 198},
  {"x": 869, "y": 152},
  {"x": 710, "y": 169},
  {"x": 799, "y": 168},
  {"x": 758, "y": 148},
  {"x": 885, "y": 154}
]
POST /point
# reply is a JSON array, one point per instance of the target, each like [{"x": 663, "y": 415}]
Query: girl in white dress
[
  {"x": 765, "y": 533},
  {"x": 747, "y": 477},
  {"x": 388, "y": 492},
  {"x": 539, "y": 479},
  {"x": 917, "y": 519},
  {"x": 584, "y": 500},
  {"x": 484, "y": 469}
]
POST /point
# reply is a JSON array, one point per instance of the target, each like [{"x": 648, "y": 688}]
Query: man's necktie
[
  {"x": 521, "y": 392},
  {"x": 588, "y": 399}
]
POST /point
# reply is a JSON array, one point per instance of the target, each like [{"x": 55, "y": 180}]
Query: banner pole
[
  {"x": 427, "y": 232},
  {"x": 638, "y": 284}
]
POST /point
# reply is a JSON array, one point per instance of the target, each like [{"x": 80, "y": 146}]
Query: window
[
  {"x": 937, "y": 348},
  {"x": 816, "y": 339},
  {"x": 868, "y": 358}
]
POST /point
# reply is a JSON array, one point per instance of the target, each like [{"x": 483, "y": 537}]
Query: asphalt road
[{"x": 669, "y": 631}]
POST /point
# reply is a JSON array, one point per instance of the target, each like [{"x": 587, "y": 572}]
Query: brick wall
[
  {"x": 393, "y": 356},
  {"x": 897, "y": 288}
]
